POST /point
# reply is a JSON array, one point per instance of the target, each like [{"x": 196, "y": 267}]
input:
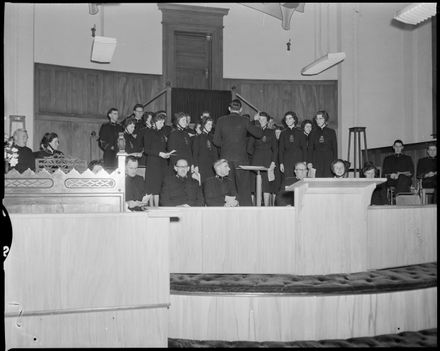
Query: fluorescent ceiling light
[
  {"x": 323, "y": 63},
  {"x": 416, "y": 13}
]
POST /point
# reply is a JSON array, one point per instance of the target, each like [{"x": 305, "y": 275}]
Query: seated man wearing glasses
[
  {"x": 181, "y": 189},
  {"x": 286, "y": 198}
]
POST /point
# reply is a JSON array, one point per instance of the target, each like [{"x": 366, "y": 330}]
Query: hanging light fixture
[
  {"x": 323, "y": 63},
  {"x": 416, "y": 13},
  {"x": 328, "y": 60}
]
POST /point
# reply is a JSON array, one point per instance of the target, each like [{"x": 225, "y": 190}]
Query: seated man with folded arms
[
  {"x": 398, "y": 168},
  {"x": 136, "y": 198},
  {"x": 181, "y": 189},
  {"x": 219, "y": 190},
  {"x": 286, "y": 198}
]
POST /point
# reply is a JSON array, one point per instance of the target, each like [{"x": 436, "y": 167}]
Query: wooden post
[
  {"x": 258, "y": 190},
  {"x": 168, "y": 102}
]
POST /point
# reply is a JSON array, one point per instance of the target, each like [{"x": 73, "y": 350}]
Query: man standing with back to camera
[{"x": 231, "y": 137}]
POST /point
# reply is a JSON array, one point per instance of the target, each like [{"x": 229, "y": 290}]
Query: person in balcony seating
[
  {"x": 49, "y": 146},
  {"x": 25, "y": 156}
]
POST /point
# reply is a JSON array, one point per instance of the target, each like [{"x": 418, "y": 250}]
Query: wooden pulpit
[{"x": 331, "y": 224}]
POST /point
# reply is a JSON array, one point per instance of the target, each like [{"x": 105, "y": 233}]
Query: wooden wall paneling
[
  {"x": 60, "y": 91},
  {"x": 73, "y": 102},
  {"x": 76, "y": 94},
  {"x": 107, "y": 94},
  {"x": 278, "y": 97},
  {"x": 400, "y": 236},
  {"x": 289, "y": 318},
  {"x": 43, "y": 79},
  {"x": 93, "y": 87}
]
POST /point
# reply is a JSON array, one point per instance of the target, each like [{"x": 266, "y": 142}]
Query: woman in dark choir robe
[
  {"x": 307, "y": 126},
  {"x": 180, "y": 142},
  {"x": 292, "y": 145},
  {"x": 205, "y": 153},
  {"x": 155, "y": 143},
  {"x": 323, "y": 145},
  {"x": 278, "y": 175},
  {"x": 108, "y": 139},
  {"x": 264, "y": 153},
  {"x": 49, "y": 146},
  {"x": 133, "y": 141}
]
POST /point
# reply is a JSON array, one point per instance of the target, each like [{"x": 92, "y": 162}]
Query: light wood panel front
[
  {"x": 233, "y": 240},
  {"x": 290, "y": 318},
  {"x": 68, "y": 269},
  {"x": 254, "y": 240},
  {"x": 130, "y": 328},
  {"x": 401, "y": 235}
]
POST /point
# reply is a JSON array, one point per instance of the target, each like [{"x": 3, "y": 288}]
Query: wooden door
[{"x": 193, "y": 52}]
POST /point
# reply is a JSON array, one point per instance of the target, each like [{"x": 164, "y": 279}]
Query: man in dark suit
[
  {"x": 25, "y": 158},
  {"x": 398, "y": 168},
  {"x": 230, "y": 136},
  {"x": 219, "y": 190},
  {"x": 108, "y": 139},
  {"x": 427, "y": 168},
  {"x": 181, "y": 189}
]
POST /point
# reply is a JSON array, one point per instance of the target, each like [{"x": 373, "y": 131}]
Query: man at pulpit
[
  {"x": 220, "y": 189},
  {"x": 286, "y": 198}
]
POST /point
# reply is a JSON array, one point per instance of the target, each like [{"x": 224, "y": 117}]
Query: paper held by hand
[
  {"x": 311, "y": 173},
  {"x": 229, "y": 199},
  {"x": 271, "y": 174}
]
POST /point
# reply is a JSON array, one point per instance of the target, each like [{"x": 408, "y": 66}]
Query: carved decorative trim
[
  {"x": 29, "y": 183},
  {"x": 89, "y": 183}
]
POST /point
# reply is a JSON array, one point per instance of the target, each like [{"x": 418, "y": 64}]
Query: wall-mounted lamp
[{"x": 416, "y": 13}]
